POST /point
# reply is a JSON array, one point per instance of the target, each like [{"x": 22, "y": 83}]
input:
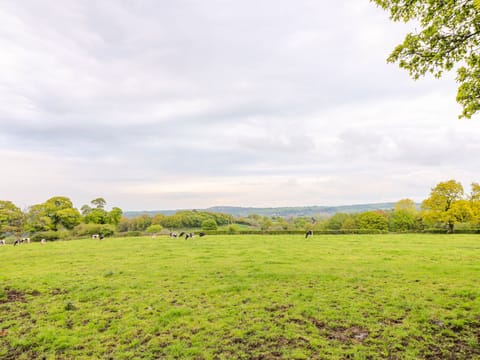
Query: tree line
[{"x": 447, "y": 208}]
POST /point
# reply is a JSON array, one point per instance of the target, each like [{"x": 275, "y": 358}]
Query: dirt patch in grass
[
  {"x": 278, "y": 307},
  {"x": 351, "y": 334},
  {"x": 456, "y": 350},
  {"x": 458, "y": 346},
  {"x": 58, "y": 291},
  {"x": 13, "y": 295}
]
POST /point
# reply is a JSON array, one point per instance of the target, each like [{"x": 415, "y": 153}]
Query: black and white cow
[{"x": 308, "y": 233}]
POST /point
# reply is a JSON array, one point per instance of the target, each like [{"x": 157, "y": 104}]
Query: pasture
[{"x": 246, "y": 297}]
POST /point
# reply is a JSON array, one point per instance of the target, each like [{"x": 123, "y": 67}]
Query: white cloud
[{"x": 192, "y": 104}]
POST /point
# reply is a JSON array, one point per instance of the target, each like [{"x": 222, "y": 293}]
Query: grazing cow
[
  {"x": 2, "y": 242},
  {"x": 17, "y": 242},
  {"x": 43, "y": 241},
  {"x": 101, "y": 237},
  {"x": 173, "y": 234},
  {"x": 201, "y": 234},
  {"x": 308, "y": 233},
  {"x": 181, "y": 234},
  {"x": 189, "y": 236},
  {"x": 26, "y": 240},
  {"x": 95, "y": 236}
]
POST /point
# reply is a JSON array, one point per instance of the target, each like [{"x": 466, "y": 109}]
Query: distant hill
[{"x": 277, "y": 211}]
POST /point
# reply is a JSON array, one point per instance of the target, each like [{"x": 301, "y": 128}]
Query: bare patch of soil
[
  {"x": 13, "y": 295},
  {"x": 355, "y": 334},
  {"x": 278, "y": 307},
  {"x": 58, "y": 291},
  {"x": 342, "y": 334}
]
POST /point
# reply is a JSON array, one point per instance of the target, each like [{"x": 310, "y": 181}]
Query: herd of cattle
[
  {"x": 187, "y": 236},
  {"x": 25, "y": 240}
]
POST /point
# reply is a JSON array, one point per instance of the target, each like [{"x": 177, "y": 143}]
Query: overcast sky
[{"x": 195, "y": 103}]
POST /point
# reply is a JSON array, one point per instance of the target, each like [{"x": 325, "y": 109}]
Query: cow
[
  {"x": 189, "y": 236},
  {"x": 43, "y": 241},
  {"x": 181, "y": 234},
  {"x": 95, "y": 236},
  {"x": 101, "y": 237},
  {"x": 308, "y": 233},
  {"x": 202, "y": 234},
  {"x": 17, "y": 242},
  {"x": 2, "y": 242},
  {"x": 173, "y": 234},
  {"x": 26, "y": 240}
]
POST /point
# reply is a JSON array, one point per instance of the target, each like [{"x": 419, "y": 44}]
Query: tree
[
  {"x": 115, "y": 215},
  {"x": 153, "y": 229},
  {"x": 407, "y": 205},
  {"x": 157, "y": 219},
  {"x": 300, "y": 223},
  {"x": 445, "y": 205},
  {"x": 336, "y": 221},
  {"x": 96, "y": 216},
  {"x": 11, "y": 217},
  {"x": 69, "y": 218},
  {"x": 99, "y": 203},
  {"x": 61, "y": 212},
  {"x": 449, "y": 35},
  {"x": 403, "y": 217},
  {"x": 172, "y": 222},
  {"x": 372, "y": 220},
  {"x": 85, "y": 209},
  {"x": 475, "y": 203},
  {"x": 37, "y": 220},
  {"x": 266, "y": 223},
  {"x": 349, "y": 225},
  {"x": 401, "y": 220},
  {"x": 209, "y": 224}
]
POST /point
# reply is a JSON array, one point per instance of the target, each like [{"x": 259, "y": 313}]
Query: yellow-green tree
[
  {"x": 55, "y": 213},
  {"x": 406, "y": 205},
  {"x": 11, "y": 218},
  {"x": 446, "y": 205},
  {"x": 403, "y": 217},
  {"x": 475, "y": 203}
]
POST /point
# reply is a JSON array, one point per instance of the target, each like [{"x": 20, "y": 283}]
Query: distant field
[{"x": 245, "y": 296}]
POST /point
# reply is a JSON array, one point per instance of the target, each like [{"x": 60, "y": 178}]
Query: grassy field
[{"x": 248, "y": 297}]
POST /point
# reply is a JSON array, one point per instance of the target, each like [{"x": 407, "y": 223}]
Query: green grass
[{"x": 248, "y": 297}]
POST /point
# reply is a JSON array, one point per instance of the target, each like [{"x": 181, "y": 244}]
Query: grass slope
[{"x": 248, "y": 297}]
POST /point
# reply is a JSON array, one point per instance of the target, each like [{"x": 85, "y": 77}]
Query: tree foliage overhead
[{"x": 449, "y": 36}]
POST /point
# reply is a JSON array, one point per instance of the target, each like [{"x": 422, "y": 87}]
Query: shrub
[
  {"x": 90, "y": 229},
  {"x": 209, "y": 224},
  {"x": 50, "y": 235},
  {"x": 233, "y": 229},
  {"x": 153, "y": 229}
]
